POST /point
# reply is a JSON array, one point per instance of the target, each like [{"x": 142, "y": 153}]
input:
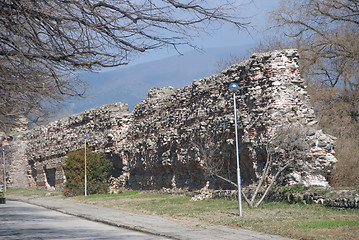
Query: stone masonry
[{"x": 170, "y": 136}]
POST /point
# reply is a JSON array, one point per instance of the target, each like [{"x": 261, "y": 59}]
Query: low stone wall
[
  {"x": 327, "y": 197},
  {"x": 341, "y": 199}
]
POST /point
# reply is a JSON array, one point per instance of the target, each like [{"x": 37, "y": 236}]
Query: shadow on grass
[{"x": 128, "y": 193}]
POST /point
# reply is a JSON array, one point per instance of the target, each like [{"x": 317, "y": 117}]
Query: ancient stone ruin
[{"x": 167, "y": 139}]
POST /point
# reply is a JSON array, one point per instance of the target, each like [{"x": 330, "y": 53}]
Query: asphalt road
[{"x": 20, "y": 220}]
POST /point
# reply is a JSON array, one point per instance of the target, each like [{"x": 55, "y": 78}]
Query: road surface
[{"x": 20, "y": 220}]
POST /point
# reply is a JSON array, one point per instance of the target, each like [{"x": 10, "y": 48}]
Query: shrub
[
  {"x": 67, "y": 192},
  {"x": 297, "y": 188},
  {"x": 338, "y": 114},
  {"x": 98, "y": 170}
]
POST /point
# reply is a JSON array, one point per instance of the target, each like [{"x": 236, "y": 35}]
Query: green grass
[
  {"x": 128, "y": 193},
  {"x": 329, "y": 224}
]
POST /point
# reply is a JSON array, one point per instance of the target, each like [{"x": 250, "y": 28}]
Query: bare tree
[
  {"x": 326, "y": 32},
  {"x": 43, "y": 43},
  {"x": 283, "y": 148},
  {"x": 211, "y": 150}
]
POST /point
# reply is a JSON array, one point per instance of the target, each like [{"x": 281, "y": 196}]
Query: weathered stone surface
[
  {"x": 325, "y": 196},
  {"x": 42, "y": 150},
  {"x": 160, "y": 144}
]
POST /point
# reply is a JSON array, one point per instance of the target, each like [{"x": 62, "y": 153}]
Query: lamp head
[{"x": 233, "y": 87}]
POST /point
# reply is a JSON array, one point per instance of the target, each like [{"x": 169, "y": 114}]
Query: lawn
[{"x": 290, "y": 220}]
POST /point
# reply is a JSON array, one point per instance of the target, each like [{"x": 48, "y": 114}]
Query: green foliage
[
  {"x": 324, "y": 192},
  {"x": 98, "y": 170},
  {"x": 297, "y": 188}
]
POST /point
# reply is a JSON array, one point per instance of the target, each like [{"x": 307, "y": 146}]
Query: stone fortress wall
[{"x": 160, "y": 144}]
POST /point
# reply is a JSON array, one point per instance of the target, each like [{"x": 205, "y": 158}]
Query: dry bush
[
  {"x": 346, "y": 171},
  {"x": 326, "y": 34},
  {"x": 337, "y": 111}
]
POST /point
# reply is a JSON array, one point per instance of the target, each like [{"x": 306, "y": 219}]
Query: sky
[
  {"x": 228, "y": 35},
  {"x": 165, "y": 67}
]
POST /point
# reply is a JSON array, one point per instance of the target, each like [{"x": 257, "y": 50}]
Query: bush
[
  {"x": 338, "y": 114},
  {"x": 98, "y": 170}
]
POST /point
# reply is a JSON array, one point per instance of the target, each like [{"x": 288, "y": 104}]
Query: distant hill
[{"x": 130, "y": 84}]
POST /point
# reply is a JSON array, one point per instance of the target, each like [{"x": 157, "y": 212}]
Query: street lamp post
[
  {"x": 234, "y": 87},
  {"x": 85, "y": 135},
  {"x": 3, "y": 158}
]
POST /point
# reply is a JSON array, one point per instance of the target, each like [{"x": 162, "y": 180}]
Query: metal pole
[
  {"x": 3, "y": 158},
  {"x": 234, "y": 87},
  {"x": 85, "y": 168},
  {"x": 237, "y": 152}
]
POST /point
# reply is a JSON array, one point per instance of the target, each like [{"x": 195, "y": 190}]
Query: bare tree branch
[
  {"x": 44, "y": 43},
  {"x": 326, "y": 32},
  {"x": 283, "y": 147}
]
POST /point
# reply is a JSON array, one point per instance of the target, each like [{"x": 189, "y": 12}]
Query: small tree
[
  {"x": 287, "y": 145},
  {"x": 283, "y": 148},
  {"x": 212, "y": 150},
  {"x": 98, "y": 170}
]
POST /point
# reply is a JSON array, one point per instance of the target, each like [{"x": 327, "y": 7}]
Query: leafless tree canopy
[
  {"x": 43, "y": 42},
  {"x": 327, "y": 32},
  {"x": 283, "y": 147}
]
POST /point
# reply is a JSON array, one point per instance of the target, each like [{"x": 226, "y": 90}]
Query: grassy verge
[
  {"x": 32, "y": 192},
  {"x": 296, "y": 221},
  {"x": 128, "y": 193}
]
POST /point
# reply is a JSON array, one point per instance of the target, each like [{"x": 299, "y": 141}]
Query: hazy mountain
[{"x": 130, "y": 84}]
